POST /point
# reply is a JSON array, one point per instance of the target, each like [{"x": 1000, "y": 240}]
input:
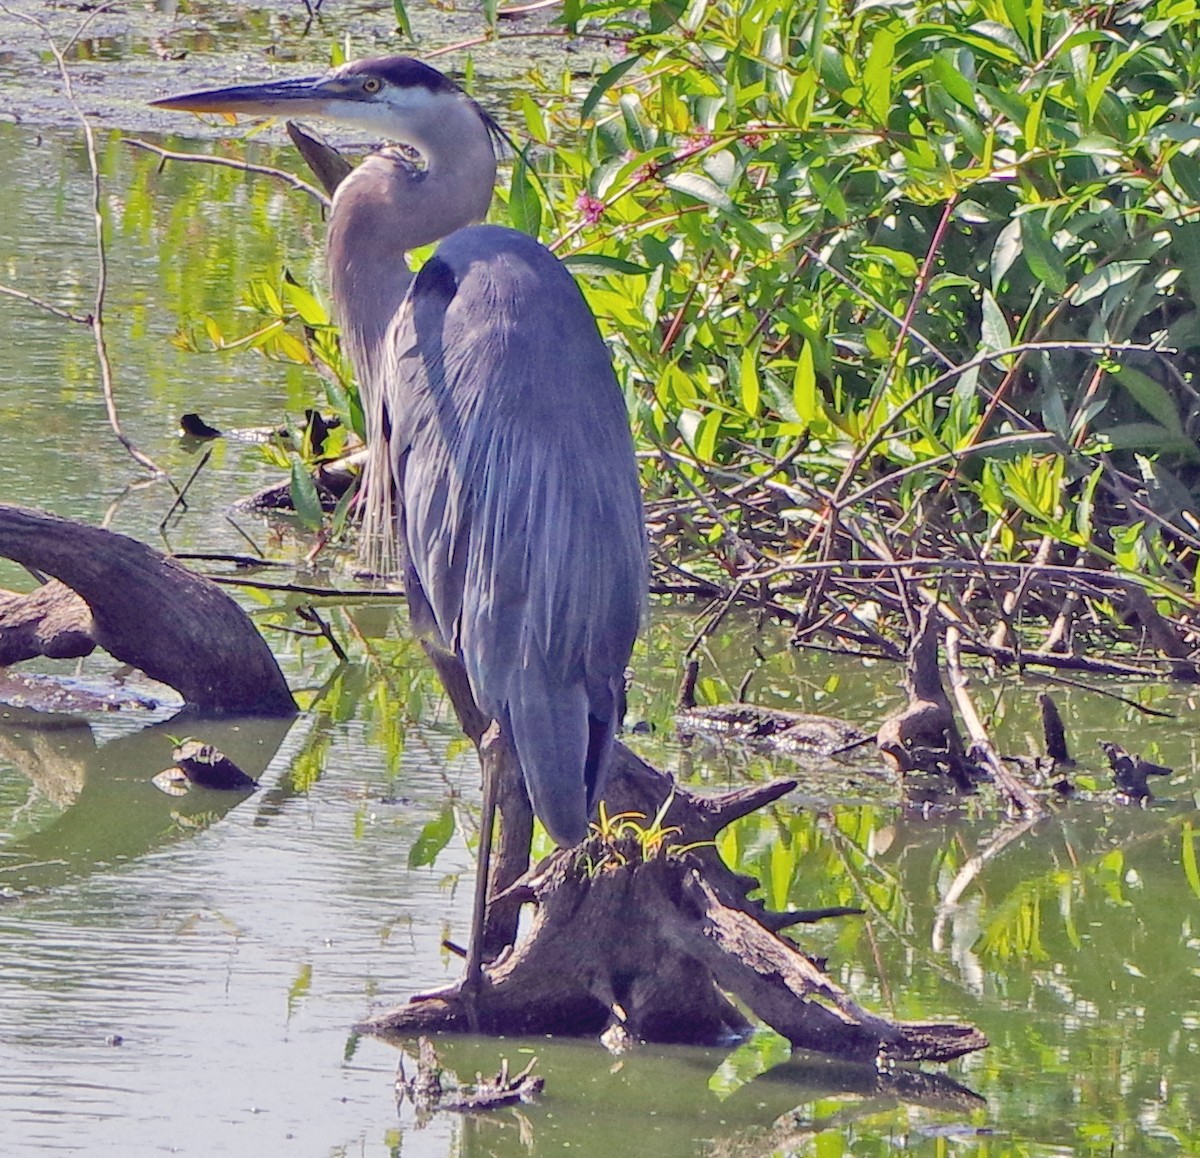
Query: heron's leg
[
  {"x": 489, "y": 749},
  {"x": 454, "y": 679},
  {"x": 510, "y": 857},
  {"x": 511, "y": 799}
]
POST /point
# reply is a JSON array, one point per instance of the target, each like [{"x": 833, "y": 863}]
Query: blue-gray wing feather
[{"x": 520, "y": 509}]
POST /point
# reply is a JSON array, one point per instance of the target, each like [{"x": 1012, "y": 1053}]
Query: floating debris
[{"x": 208, "y": 767}]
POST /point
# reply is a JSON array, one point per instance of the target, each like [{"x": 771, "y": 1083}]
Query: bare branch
[
  {"x": 57, "y": 311},
  {"x": 97, "y": 317},
  {"x": 282, "y": 175}
]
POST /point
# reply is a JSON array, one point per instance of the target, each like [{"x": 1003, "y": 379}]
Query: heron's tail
[{"x": 550, "y": 733}]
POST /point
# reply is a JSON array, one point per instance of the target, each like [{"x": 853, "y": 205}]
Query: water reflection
[
  {"x": 649, "y": 1103},
  {"x": 111, "y": 812}
]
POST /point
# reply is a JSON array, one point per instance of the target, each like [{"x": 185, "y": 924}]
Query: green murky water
[{"x": 179, "y": 976}]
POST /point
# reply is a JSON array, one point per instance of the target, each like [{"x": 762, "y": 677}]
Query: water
[{"x": 182, "y": 975}]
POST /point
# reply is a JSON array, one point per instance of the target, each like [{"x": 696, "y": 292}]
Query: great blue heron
[{"x": 518, "y": 514}]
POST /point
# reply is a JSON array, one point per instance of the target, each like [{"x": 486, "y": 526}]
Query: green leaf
[
  {"x": 952, "y": 80},
  {"x": 433, "y": 838},
  {"x": 877, "y": 75},
  {"x": 305, "y": 500},
  {"x": 341, "y": 512},
  {"x": 1149, "y": 437},
  {"x": 994, "y": 330},
  {"x": 535, "y": 119},
  {"x": 607, "y": 80},
  {"x": 1154, "y": 398},
  {"x": 403, "y": 24},
  {"x": 1005, "y": 251},
  {"x": 1041, "y": 254},
  {"x": 701, "y": 188},
  {"x": 805, "y": 396},
  {"x": 637, "y": 126},
  {"x": 1185, "y": 168},
  {"x": 998, "y": 48},
  {"x": 1018, "y": 17},
  {"x": 524, "y": 203},
  {"x": 311, "y": 312},
  {"x": 599, "y": 264},
  {"x": 1086, "y": 505},
  {"x": 750, "y": 381},
  {"x": 1104, "y": 278},
  {"x": 706, "y": 436}
]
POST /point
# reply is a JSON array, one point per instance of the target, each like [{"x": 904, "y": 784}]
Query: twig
[
  {"x": 282, "y": 175},
  {"x": 97, "y": 317},
  {"x": 1094, "y": 690},
  {"x": 311, "y": 615},
  {"x": 305, "y": 589},
  {"x": 180, "y": 494},
  {"x": 981, "y": 745},
  {"x": 57, "y": 311}
]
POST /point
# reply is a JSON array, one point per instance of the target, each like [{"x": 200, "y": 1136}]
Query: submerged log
[
  {"x": 1130, "y": 773},
  {"x": 641, "y": 932},
  {"x": 775, "y": 730},
  {"x": 149, "y": 611}
]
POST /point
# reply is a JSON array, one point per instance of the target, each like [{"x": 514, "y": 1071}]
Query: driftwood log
[
  {"x": 786, "y": 733},
  {"x": 141, "y": 607},
  {"x": 50, "y": 620}
]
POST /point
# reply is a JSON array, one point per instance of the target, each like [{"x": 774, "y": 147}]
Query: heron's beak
[{"x": 311, "y": 95}]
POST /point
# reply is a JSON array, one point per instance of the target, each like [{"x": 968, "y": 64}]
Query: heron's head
[{"x": 395, "y": 97}]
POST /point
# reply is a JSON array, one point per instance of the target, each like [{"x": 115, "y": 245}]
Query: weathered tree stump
[
  {"x": 145, "y": 610},
  {"x": 638, "y": 938},
  {"x": 923, "y": 735}
]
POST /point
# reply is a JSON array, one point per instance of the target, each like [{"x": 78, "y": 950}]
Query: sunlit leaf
[
  {"x": 403, "y": 24},
  {"x": 805, "y": 396},
  {"x": 1104, "y": 278},
  {"x": 524, "y": 203},
  {"x": 433, "y": 838},
  {"x": 700, "y": 187},
  {"x": 750, "y": 380}
]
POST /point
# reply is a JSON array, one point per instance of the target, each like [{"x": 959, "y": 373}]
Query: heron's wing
[{"x": 522, "y": 516}]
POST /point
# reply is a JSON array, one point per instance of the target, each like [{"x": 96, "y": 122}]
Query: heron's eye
[{"x": 372, "y": 84}]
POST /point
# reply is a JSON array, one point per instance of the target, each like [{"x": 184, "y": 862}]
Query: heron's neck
[{"x": 388, "y": 206}]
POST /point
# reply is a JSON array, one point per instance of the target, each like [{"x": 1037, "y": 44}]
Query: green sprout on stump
[{"x": 625, "y": 836}]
